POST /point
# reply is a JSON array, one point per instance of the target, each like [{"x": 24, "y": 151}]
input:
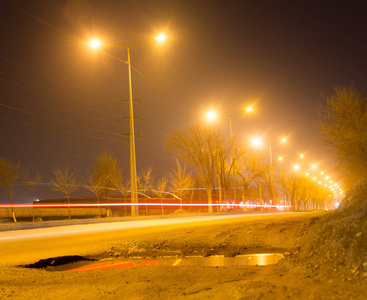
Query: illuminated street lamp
[
  {"x": 257, "y": 142},
  {"x": 95, "y": 43},
  {"x": 133, "y": 177},
  {"x": 211, "y": 115}
]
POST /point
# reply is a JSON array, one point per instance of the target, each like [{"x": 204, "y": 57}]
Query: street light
[
  {"x": 133, "y": 177},
  {"x": 95, "y": 43},
  {"x": 211, "y": 115},
  {"x": 257, "y": 142},
  {"x": 248, "y": 109}
]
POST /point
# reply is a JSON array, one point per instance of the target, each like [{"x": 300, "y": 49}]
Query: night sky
[{"x": 279, "y": 56}]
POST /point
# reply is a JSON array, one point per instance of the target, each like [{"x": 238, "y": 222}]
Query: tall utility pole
[
  {"x": 248, "y": 109},
  {"x": 271, "y": 173},
  {"x": 233, "y": 164},
  {"x": 133, "y": 176}
]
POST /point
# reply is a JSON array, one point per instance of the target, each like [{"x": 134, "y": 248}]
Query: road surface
[{"x": 28, "y": 246}]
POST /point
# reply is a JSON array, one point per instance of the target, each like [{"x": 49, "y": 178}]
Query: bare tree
[
  {"x": 343, "y": 128},
  {"x": 249, "y": 168},
  {"x": 224, "y": 168},
  {"x": 161, "y": 189},
  {"x": 291, "y": 184},
  {"x": 107, "y": 171},
  {"x": 8, "y": 177},
  {"x": 121, "y": 186},
  {"x": 65, "y": 181},
  {"x": 181, "y": 181},
  {"x": 96, "y": 186},
  {"x": 145, "y": 183},
  {"x": 32, "y": 181},
  {"x": 269, "y": 178},
  {"x": 199, "y": 146}
]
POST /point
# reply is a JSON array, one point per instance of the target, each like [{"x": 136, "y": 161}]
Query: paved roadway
[{"x": 28, "y": 246}]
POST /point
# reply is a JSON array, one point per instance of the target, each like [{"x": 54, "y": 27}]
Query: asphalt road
[{"x": 28, "y": 246}]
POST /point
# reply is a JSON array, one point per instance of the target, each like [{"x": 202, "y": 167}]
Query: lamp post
[
  {"x": 133, "y": 175},
  {"x": 211, "y": 115},
  {"x": 231, "y": 134},
  {"x": 257, "y": 142},
  {"x": 283, "y": 140}
]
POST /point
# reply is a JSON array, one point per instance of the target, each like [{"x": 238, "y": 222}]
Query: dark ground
[{"x": 302, "y": 274}]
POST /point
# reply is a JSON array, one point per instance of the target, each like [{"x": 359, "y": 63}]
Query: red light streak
[
  {"x": 55, "y": 205},
  {"x": 117, "y": 265}
]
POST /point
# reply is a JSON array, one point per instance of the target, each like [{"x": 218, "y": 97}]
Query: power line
[
  {"x": 38, "y": 19},
  {"x": 56, "y": 79},
  {"x": 43, "y": 150},
  {"x": 56, "y": 108},
  {"x": 58, "y": 130},
  {"x": 65, "y": 122},
  {"x": 54, "y": 152},
  {"x": 57, "y": 91},
  {"x": 60, "y": 99}
]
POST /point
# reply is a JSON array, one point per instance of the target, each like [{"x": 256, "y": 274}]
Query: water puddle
[
  {"x": 76, "y": 263},
  {"x": 262, "y": 259}
]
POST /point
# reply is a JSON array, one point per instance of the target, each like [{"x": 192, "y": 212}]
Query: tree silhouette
[
  {"x": 65, "y": 181},
  {"x": 8, "y": 177}
]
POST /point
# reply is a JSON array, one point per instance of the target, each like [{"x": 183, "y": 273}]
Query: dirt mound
[{"x": 341, "y": 243}]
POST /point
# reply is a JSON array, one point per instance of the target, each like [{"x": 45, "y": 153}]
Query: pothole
[
  {"x": 58, "y": 262},
  {"x": 80, "y": 263}
]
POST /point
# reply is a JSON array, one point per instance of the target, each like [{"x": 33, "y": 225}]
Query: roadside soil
[{"x": 300, "y": 275}]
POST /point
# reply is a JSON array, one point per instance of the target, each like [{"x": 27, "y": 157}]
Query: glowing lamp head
[
  {"x": 95, "y": 43},
  {"x": 296, "y": 167},
  {"x": 301, "y": 156},
  {"x": 256, "y": 142},
  {"x": 211, "y": 115},
  {"x": 160, "y": 37},
  {"x": 248, "y": 109},
  {"x": 283, "y": 140}
]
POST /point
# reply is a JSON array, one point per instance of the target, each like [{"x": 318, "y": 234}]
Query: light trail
[{"x": 226, "y": 205}]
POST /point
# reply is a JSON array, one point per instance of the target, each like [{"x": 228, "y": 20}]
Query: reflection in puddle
[
  {"x": 240, "y": 260},
  {"x": 211, "y": 261}
]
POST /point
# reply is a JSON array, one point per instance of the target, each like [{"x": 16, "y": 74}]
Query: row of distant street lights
[
  {"x": 321, "y": 178},
  {"x": 257, "y": 142},
  {"x": 95, "y": 43}
]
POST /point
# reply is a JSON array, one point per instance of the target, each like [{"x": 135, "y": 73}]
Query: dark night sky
[{"x": 278, "y": 55}]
